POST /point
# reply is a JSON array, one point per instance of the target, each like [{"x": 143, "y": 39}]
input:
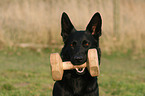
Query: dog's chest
[{"x": 77, "y": 85}]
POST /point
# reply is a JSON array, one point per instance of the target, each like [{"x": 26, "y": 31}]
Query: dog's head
[{"x": 77, "y": 43}]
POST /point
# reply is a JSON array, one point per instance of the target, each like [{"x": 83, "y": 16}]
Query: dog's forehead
[{"x": 79, "y": 35}]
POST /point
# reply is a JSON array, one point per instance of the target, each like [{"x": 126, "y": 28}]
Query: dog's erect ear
[
  {"x": 94, "y": 25},
  {"x": 66, "y": 26}
]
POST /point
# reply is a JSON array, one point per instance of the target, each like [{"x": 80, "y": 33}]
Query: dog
[{"x": 78, "y": 82}]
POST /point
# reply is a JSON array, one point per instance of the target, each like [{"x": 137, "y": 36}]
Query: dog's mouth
[{"x": 80, "y": 70}]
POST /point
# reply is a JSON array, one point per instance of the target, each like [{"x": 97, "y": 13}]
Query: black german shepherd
[{"x": 78, "y": 82}]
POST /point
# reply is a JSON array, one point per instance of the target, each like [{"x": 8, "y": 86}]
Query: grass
[
  {"x": 122, "y": 77},
  {"x": 26, "y": 72}
]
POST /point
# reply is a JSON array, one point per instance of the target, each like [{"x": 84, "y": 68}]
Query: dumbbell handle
[{"x": 68, "y": 65}]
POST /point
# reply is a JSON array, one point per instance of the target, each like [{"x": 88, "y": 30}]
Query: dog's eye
[
  {"x": 73, "y": 44},
  {"x": 85, "y": 43}
]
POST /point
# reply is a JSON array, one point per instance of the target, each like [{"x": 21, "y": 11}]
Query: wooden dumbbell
[{"x": 57, "y": 66}]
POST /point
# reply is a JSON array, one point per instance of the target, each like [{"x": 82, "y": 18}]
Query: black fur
[{"x": 76, "y": 45}]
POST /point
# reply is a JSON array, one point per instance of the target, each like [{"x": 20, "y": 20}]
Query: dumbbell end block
[
  {"x": 94, "y": 71},
  {"x": 56, "y": 66},
  {"x": 92, "y": 63},
  {"x": 56, "y": 75}
]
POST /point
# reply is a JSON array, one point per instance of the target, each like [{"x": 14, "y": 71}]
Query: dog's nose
[{"x": 78, "y": 58}]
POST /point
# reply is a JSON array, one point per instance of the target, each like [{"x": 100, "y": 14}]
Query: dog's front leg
[{"x": 59, "y": 90}]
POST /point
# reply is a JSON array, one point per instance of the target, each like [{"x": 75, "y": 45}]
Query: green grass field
[{"x": 26, "y": 72}]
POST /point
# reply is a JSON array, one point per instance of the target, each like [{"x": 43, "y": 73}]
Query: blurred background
[
  {"x": 30, "y": 31},
  {"x": 33, "y": 22}
]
